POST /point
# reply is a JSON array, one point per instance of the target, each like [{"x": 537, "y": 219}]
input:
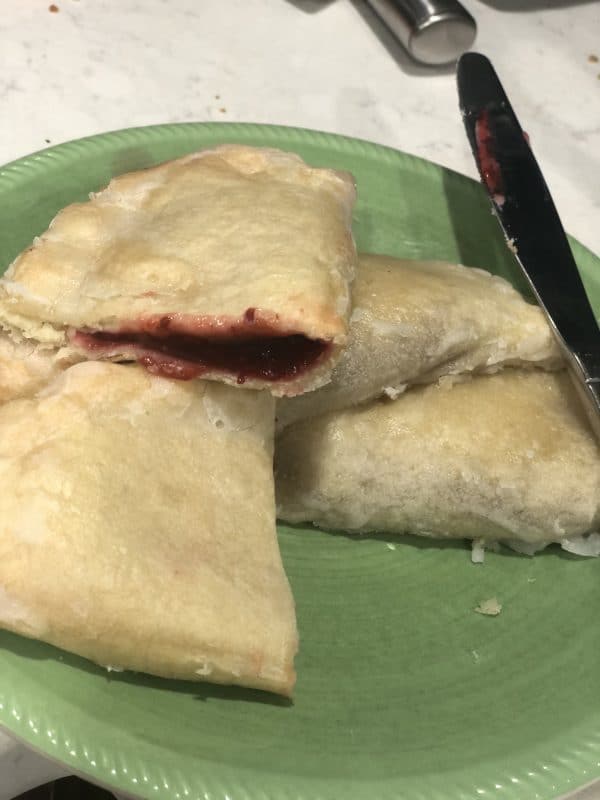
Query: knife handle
[{"x": 434, "y": 32}]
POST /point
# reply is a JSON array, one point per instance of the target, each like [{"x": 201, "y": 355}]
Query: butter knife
[{"x": 524, "y": 207}]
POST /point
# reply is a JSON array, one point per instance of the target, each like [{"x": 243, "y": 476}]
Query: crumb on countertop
[
  {"x": 593, "y": 59},
  {"x": 53, "y": 9},
  {"x": 222, "y": 110},
  {"x": 490, "y": 608}
]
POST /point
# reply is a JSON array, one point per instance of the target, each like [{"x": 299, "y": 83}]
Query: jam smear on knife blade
[{"x": 488, "y": 165}]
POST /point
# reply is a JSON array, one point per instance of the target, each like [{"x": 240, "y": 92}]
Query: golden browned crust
[
  {"x": 504, "y": 456},
  {"x": 214, "y": 233},
  {"x": 137, "y": 527}
]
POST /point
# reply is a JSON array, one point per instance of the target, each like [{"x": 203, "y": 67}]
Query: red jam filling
[
  {"x": 488, "y": 165},
  {"x": 249, "y": 348}
]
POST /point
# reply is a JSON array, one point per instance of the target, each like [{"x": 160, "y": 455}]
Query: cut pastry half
[
  {"x": 231, "y": 264},
  {"x": 508, "y": 456},
  {"x": 414, "y": 321},
  {"x": 137, "y": 527}
]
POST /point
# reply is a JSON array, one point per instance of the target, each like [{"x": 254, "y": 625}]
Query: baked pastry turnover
[
  {"x": 231, "y": 264},
  {"x": 414, "y": 321},
  {"x": 508, "y": 456},
  {"x": 137, "y": 526}
]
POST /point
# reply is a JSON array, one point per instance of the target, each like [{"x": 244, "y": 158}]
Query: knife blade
[{"x": 525, "y": 209}]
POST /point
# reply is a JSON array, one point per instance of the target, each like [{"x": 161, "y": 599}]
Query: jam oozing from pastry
[
  {"x": 176, "y": 347},
  {"x": 488, "y": 165}
]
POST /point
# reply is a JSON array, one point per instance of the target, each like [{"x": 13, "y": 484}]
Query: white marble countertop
[{"x": 98, "y": 65}]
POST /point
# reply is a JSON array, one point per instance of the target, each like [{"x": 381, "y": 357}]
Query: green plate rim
[
  {"x": 122, "y": 771},
  {"x": 349, "y": 143}
]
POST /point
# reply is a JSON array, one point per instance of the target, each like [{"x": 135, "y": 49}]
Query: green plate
[{"x": 403, "y": 691}]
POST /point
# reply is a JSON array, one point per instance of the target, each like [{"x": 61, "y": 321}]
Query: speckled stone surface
[
  {"x": 326, "y": 64},
  {"x": 98, "y": 65}
]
